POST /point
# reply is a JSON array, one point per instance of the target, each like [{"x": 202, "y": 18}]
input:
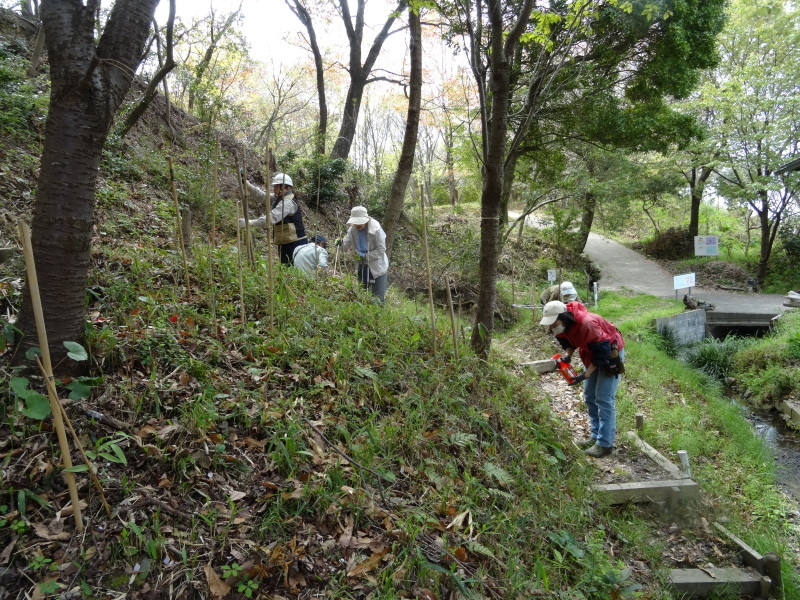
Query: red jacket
[{"x": 591, "y": 334}]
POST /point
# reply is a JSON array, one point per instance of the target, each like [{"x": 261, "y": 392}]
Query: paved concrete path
[{"x": 624, "y": 268}]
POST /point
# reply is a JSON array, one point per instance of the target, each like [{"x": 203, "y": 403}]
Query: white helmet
[{"x": 282, "y": 179}]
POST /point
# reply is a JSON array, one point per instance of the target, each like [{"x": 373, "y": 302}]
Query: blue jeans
[{"x": 600, "y": 394}]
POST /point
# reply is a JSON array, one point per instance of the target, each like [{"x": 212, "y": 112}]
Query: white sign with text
[
  {"x": 683, "y": 281},
  {"x": 706, "y": 245}
]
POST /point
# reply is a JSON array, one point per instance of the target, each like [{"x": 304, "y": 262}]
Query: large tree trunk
[
  {"x": 359, "y": 73},
  {"x": 502, "y": 48},
  {"x": 406, "y": 163},
  {"x": 88, "y": 85}
]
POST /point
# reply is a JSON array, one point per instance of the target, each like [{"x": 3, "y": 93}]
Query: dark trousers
[{"x": 287, "y": 251}]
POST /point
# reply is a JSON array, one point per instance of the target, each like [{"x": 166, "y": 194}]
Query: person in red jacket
[{"x": 600, "y": 346}]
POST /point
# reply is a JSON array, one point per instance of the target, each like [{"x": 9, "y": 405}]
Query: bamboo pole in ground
[
  {"x": 248, "y": 235},
  {"x": 428, "y": 267},
  {"x": 270, "y": 273},
  {"x": 239, "y": 261},
  {"x": 213, "y": 245},
  {"x": 51, "y": 390},
  {"x": 55, "y": 406},
  {"x": 178, "y": 223},
  {"x": 452, "y": 317}
]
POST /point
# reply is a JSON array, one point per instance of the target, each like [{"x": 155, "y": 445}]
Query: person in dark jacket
[
  {"x": 288, "y": 231},
  {"x": 600, "y": 346}
]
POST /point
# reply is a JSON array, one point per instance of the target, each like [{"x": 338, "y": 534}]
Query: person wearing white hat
[
  {"x": 367, "y": 241},
  {"x": 565, "y": 292},
  {"x": 600, "y": 346},
  {"x": 288, "y": 231}
]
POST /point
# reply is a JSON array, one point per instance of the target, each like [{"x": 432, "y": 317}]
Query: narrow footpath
[{"x": 623, "y": 268}]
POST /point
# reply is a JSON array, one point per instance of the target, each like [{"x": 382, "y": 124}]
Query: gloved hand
[
  {"x": 566, "y": 358},
  {"x": 578, "y": 380},
  {"x": 242, "y": 177},
  {"x": 337, "y": 242},
  {"x": 242, "y": 224}
]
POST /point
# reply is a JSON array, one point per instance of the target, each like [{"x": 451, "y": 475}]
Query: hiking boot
[
  {"x": 585, "y": 443},
  {"x": 598, "y": 451}
]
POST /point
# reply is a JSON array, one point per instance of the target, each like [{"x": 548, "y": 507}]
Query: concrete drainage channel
[{"x": 759, "y": 576}]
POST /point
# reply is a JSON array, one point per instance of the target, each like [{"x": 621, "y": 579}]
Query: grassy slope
[{"x": 460, "y": 477}]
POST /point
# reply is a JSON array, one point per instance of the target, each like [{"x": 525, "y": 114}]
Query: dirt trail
[{"x": 624, "y": 268}]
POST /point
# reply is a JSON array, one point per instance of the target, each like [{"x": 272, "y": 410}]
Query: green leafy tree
[{"x": 755, "y": 90}]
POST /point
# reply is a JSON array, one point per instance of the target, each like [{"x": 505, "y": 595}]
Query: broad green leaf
[
  {"x": 37, "y": 406},
  {"x": 78, "y": 390},
  {"x": 19, "y": 385},
  {"x": 32, "y": 353},
  {"x": 75, "y": 351}
]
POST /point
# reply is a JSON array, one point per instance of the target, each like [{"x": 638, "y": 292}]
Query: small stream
[{"x": 784, "y": 442}]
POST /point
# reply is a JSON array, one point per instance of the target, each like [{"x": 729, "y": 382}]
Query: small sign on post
[
  {"x": 706, "y": 245},
  {"x": 683, "y": 281},
  {"x": 551, "y": 274},
  {"x": 595, "y": 294}
]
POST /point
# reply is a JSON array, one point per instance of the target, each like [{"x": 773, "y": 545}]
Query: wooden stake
[
  {"x": 51, "y": 390},
  {"x": 452, "y": 317},
  {"x": 178, "y": 222},
  {"x": 428, "y": 267},
  {"x": 55, "y": 406}
]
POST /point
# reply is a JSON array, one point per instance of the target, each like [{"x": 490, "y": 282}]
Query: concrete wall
[{"x": 690, "y": 326}]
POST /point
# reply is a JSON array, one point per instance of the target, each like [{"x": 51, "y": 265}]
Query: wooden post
[
  {"x": 452, "y": 317},
  {"x": 772, "y": 565},
  {"x": 533, "y": 303},
  {"x": 428, "y": 267},
  {"x": 640, "y": 423},
  {"x": 55, "y": 406},
  {"x": 178, "y": 222},
  {"x": 683, "y": 455}
]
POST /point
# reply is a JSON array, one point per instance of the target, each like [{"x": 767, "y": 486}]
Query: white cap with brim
[
  {"x": 358, "y": 216},
  {"x": 551, "y": 311}
]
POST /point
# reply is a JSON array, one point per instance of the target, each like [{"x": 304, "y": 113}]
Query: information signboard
[
  {"x": 551, "y": 274},
  {"x": 683, "y": 281},
  {"x": 706, "y": 245}
]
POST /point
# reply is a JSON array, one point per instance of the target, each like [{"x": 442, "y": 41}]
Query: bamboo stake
[
  {"x": 428, "y": 266},
  {"x": 248, "y": 236},
  {"x": 270, "y": 273},
  {"x": 239, "y": 261},
  {"x": 55, "y": 406},
  {"x": 213, "y": 238},
  {"x": 452, "y": 317},
  {"x": 51, "y": 390},
  {"x": 178, "y": 222}
]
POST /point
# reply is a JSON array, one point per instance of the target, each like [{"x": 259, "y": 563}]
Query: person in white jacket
[{"x": 367, "y": 241}]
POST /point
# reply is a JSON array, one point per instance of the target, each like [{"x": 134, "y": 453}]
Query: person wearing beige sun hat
[{"x": 366, "y": 240}]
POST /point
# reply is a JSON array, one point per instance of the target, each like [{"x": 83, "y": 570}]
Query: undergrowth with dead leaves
[{"x": 330, "y": 452}]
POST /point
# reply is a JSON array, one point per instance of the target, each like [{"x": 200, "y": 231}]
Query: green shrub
[{"x": 715, "y": 357}]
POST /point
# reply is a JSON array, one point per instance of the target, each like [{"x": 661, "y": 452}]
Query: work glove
[
  {"x": 242, "y": 178},
  {"x": 337, "y": 242},
  {"x": 578, "y": 380},
  {"x": 242, "y": 224},
  {"x": 566, "y": 358}
]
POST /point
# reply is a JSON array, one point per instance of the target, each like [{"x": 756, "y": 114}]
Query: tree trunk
[
  {"x": 406, "y": 163},
  {"x": 302, "y": 13},
  {"x": 88, "y": 85},
  {"x": 697, "y": 184},
  {"x": 359, "y": 73},
  {"x": 163, "y": 71},
  {"x": 449, "y": 164},
  {"x": 492, "y": 189},
  {"x": 589, "y": 205}
]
